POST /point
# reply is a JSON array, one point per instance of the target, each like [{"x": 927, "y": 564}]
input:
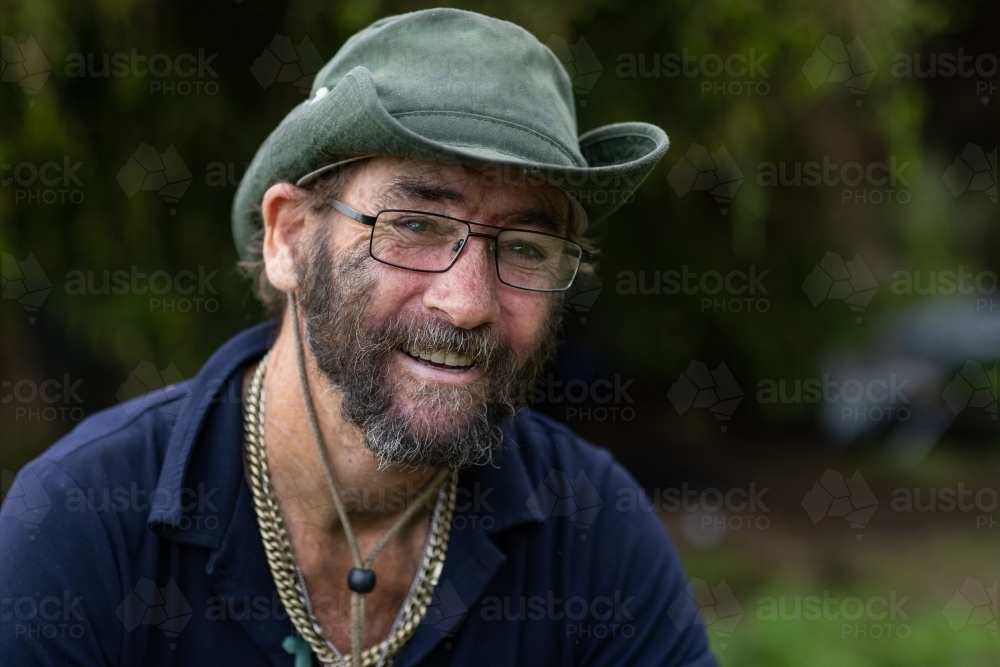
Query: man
[{"x": 353, "y": 483}]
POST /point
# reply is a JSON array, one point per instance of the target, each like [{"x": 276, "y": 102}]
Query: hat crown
[
  {"x": 454, "y": 76},
  {"x": 453, "y": 86}
]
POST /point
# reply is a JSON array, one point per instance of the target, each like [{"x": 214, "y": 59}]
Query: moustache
[{"x": 483, "y": 346}]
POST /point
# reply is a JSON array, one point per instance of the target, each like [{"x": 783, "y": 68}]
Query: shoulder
[
  {"x": 124, "y": 443},
  {"x": 73, "y": 526},
  {"x": 129, "y": 442},
  {"x": 613, "y": 547}
]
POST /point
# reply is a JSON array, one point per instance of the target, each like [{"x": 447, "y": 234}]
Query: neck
[{"x": 373, "y": 497}]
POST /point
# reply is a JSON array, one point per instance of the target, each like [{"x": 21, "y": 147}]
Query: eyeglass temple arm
[{"x": 351, "y": 213}]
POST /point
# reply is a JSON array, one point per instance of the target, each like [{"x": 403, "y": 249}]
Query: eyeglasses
[{"x": 420, "y": 241}]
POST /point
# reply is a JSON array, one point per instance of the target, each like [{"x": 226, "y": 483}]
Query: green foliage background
[
  {"x": 101, "y": 121},
  {"x": 785, "y": 230}
]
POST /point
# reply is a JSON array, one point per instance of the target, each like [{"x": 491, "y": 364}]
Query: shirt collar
[{"x": 203, "y": 392}]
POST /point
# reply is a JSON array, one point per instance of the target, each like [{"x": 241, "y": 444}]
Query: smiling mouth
[{"x": 446, "y": 360}]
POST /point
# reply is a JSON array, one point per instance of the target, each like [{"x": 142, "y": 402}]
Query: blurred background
[{"x": 792, "y": 339}]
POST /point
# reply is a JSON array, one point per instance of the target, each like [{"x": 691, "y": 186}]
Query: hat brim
[{"x": 351, "y": 122}]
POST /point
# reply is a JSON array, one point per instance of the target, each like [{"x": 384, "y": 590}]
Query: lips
[{"x": 440, "y": 357}]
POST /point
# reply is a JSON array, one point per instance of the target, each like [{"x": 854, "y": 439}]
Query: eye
[
  {"x": 418, "y": 225},
  {"x": 524, "y": 249}
]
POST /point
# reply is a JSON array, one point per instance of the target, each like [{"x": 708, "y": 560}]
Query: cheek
[
  {"x": 396, "y": 290},
  {"x": 522, "y": 317}
]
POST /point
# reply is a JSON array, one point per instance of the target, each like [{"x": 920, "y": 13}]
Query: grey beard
[{"x": 447, "y": 426}]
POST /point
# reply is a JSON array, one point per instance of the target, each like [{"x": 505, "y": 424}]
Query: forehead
[{"x": 493, "y": 195}]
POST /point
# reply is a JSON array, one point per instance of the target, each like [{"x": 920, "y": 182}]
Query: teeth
[
  {"x": 441, "y": 357},
  {"x": 458, "y": 360}
]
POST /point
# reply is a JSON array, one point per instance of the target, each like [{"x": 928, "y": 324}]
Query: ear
[{"x": 284, "y": 226}]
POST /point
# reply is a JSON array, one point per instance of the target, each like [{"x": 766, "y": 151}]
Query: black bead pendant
[{"x": 361, "y": 581}]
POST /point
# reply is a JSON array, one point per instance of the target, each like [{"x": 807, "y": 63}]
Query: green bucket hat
[{"x": 450, "y": 86}]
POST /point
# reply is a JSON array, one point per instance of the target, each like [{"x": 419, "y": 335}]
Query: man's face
[{"x": 372, "y": 327}]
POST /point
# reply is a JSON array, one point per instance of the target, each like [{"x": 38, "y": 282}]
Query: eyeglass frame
[{"x": 370, "y": 220}]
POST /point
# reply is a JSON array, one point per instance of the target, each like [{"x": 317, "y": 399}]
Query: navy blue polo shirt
[{"x": 133, "y": 541}]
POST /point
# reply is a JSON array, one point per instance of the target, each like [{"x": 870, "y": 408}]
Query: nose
[{"x": 466, "y": 294}]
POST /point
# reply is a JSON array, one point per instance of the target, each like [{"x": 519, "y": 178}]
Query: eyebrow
[
  {"x": 407, "y": 190},
  {"x": 540, "y": 217}
]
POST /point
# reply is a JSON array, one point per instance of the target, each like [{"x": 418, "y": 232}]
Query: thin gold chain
[{"x": 284, "y": 569}]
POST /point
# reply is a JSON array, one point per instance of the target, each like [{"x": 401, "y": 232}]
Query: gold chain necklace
[{"x": 285, "y": 571}]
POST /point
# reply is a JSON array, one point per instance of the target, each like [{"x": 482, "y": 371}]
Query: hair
[
  {"x": 327, "y": 186},
  {"x": 331, "y": 186}
]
